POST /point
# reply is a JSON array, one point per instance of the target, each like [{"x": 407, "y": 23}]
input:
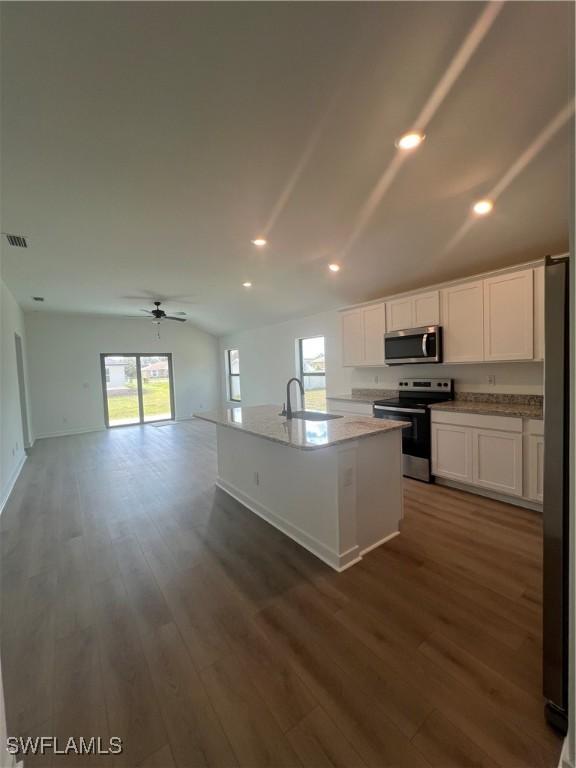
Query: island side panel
[
  {"x": 295, "y": 490},
  {"x": 379, "y": 493}
]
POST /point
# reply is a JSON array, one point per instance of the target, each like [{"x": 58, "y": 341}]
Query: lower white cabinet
[
  {"x": 348, "y": 407},
  {"x": 534, "y": 461},
  {"x": 452, "y": 452},
  {"x": 497, "y": 461},
  {"x": 498, "y": 453}
]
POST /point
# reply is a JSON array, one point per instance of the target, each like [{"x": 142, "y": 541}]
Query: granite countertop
[
  {"x": 527, "y": 410},
  {"x": 265, "y": 421}
]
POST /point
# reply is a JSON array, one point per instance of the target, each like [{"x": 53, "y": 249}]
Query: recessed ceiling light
[
  {"x": 482, "y": 207},
  {"x": 334, "y": 267},
  {"x": 260, "y": 242},
  {"x": 410, "y": 140},
  {"x": 247, "y": 284}
]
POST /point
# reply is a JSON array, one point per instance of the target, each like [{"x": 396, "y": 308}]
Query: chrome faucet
[{"x": 287, "y": 410}]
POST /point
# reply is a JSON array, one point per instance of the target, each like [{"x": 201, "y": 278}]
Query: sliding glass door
[{"x": 137, "y": 388}]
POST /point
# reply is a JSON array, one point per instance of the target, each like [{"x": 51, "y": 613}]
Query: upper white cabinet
[
  {"x": 509, "y": 316},
  {"x": 426, "y": 309},
  {"x": 352, "y": 337},
  {"x": 374, "y": 327},
  {"x": 539, "y": 313},
  {"x": 363, "y": 335},
  {"x": 413, "y": 311},
  {"x": 496, "y": 318},
  {"x": 463, "y": 322}
]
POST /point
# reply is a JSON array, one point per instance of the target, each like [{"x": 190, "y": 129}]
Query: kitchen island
[{"x": 334, "y": 486}]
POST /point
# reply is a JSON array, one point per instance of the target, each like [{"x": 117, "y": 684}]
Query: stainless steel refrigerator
[{"x": 556, "y": 491}]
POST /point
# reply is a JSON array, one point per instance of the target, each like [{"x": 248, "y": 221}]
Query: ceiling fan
[{"x": 159, "y": 314}]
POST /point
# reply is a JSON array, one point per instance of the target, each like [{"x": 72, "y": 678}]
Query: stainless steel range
[{"x": 413, "y": 404}]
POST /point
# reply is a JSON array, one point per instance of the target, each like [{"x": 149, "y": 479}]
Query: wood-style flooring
[{"x": 139, "y": 601}]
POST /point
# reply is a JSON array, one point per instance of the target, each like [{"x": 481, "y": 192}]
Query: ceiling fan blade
[
  {"x": 146, "y": 310},
  {"x": 179, "y": 319}
]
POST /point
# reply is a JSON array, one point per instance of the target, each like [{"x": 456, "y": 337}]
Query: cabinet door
[
  {"x": 426, "y": 309},
  {"x": 497, "y": 460},
  {"x": 509, "y": 316},
  {"x": 399, "y": 314},
  {"x": 535, "y": 467},
  {"x": 352, "y": 338},
  {"x": 451, "y": 452},
  {"x": 374, "y": 325},
  {"x": 539, "y": 313},
  {"x": 463, "y": 322}
]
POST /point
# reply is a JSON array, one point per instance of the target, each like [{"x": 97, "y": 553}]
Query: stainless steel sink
[{"x": 314, "y": 416}]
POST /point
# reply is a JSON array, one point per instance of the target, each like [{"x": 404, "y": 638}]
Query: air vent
[
  {"x": 17, "y": 241},
  {"x": 38, "y": 298}
]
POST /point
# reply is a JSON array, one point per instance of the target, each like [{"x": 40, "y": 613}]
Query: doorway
[
  {"x": 137, "y": 388},
  {"x": 22, "y": 391}
]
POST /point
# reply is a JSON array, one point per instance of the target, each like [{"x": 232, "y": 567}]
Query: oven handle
[
  {"x": 398, "y": 410},
  {"x": 425, "y": 345}
]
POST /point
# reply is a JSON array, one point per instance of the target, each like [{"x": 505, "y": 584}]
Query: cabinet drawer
[{"x": 479, "y": 421}]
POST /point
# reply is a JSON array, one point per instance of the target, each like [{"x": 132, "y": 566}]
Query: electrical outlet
[
  {"x": 375, "y": 379},
  {"x": 256, "y": 478},
  {"x": 491, "y": 378}
]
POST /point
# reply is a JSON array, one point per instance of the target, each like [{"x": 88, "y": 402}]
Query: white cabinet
[
  {"x": 497, "y": 461},
  {"x": 374, "y": 318},
  {"x": 509, "y": 316},
  {"x": 539, "y": 313},
  {"x": 463, "y": 322},
  {"x": 452, "y": 452},
  {"x": 399, "y": 314},
  {"x": 352, "y": 337},
  {"x": 348, "y": 407},
  {"x": 413, "y": 311},
  {"x": 534, "y": 464},
  {"x": 426, "y": 309},
  {"x": 482, "y": 451},
  {"x": 363, "y": 335}
]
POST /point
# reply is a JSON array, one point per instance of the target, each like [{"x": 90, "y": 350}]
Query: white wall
[
  {"x": 64, "y": 365},
  {"x": 268, "y": 359},
  {"x": 12, "y": 453},
  {"x": 514, "y": 378}
]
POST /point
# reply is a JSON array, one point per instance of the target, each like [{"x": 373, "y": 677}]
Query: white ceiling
[{"x": 145, "y": 144}]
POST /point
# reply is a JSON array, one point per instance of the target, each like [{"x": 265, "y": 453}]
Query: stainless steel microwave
[{"x": 414, "y": 345}]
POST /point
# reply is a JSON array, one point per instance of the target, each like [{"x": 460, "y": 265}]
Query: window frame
[
  {"x": 231, "y": 376},
  {"x": 302, "y": 375}
]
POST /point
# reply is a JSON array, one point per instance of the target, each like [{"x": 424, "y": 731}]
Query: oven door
[
  {"x": 414, "y": 345},
  {"x": 416, "y": 437}
]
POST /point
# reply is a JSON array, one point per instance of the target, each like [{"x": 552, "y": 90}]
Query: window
[
  {"x": 137, "y": 388},
  {"x": 313, "y": 372},
  {"x": 233, "y": 365}
]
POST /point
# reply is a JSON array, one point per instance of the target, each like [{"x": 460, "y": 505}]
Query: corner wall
[{"x": 64, "y": 364}]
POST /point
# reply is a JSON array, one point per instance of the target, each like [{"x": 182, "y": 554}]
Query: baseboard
[
  {"x": 339, "y": 562},
  {"x": 379, "y": 543},
  {"x": 11, "y": 483},
  {"x": 66, "y": 432},
  {"x": 516, "y": 501}
]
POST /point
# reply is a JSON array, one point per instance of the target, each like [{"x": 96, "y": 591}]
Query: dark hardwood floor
[{"x": 138, "y": 601}]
